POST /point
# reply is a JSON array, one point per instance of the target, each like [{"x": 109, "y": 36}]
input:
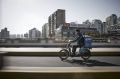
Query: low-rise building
[
  {"x": 68, "y": 32},
  {"x": 5, "y": 33}
]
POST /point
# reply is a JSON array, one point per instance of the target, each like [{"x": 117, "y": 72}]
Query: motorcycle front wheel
[{"x": 63, "y": 54}]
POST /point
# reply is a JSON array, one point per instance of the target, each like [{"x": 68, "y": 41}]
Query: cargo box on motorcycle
[{"x": 87, "y": 42}]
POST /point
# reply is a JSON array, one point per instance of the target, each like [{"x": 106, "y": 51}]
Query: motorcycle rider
[{"x": 79, "y": 39}]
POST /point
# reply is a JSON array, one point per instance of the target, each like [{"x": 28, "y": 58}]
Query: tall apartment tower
[
  {"x": 111, "y": 20},
  {"x": 55, "y": 20},
  {"x": 98, "y": 25},
  {"x": 118, "y": 21},
  {"x": 45, "y": 30}
]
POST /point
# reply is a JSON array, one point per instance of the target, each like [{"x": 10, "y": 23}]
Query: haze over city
[{"x": 19, "y": 16}]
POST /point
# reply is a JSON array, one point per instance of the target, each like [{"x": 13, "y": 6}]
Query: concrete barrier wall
[
  {"x": 1, "y": 61},
  {"x": 23, "y": 75},
  {"x": 61, "y": 73},
  {"x": 2, "y": 54},
  {"x": 57, "y": 54},
  {"x": 55, "y": 51}
]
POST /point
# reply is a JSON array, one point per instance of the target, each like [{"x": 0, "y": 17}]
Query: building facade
[
  {"x": 111, "y": 20},
  {"x": 5, "y": 33},
  {"x": 34, "y": 33},
  {"x": 118, "y": 21},
  {"x": 0, "y": 35},
  {"x": 98, "y": 25},
  {"x": 88, "y": 23},
  {"x": 26, "y": 35},
  {"x": 113, "y": 25},
  {"x": 104, "y": 28},
  {"x": 68, "y": 32},
  {"x": 45, "y": 31},
  {"x": 55, "y": 20},
  {"x": 13, "y": 36}
]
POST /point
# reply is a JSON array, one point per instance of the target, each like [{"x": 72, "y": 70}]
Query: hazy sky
[{"x": 19, "y": 16}]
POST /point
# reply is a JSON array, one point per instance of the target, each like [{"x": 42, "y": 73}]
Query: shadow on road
[{"x": 90, "y": 63}]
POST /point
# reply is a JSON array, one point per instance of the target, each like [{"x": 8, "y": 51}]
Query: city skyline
[{"x": 26, "y": 15}]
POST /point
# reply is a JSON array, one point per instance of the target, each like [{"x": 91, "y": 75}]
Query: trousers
[{"x": 75, "y": 47}]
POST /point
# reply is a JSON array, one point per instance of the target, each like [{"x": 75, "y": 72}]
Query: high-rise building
[
  {"x": 87, "y": 22},
  {"x": 118, "y": 21},
  {"x": 62, "y": 32},
  {"x": 104, "y": 29},
  {"x": 4, "y": 33},
  {"x": 45, "y": 29},
  {"x": 55, "y": 20},
  {"x": 98, "y": 24},
  {"x": 111, "y": 20},
  {"x": 112, "y": 23},
  {"x": 50, "y": 24},
  {"x": 0, "y": 34},
  {"x": 34, "y": 33}
]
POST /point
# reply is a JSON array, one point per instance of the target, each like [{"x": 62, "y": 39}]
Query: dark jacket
[{"x": 79, "y": 39}]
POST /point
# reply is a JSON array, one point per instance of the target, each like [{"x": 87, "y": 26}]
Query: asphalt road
[{"x": 99, "y": 61}]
